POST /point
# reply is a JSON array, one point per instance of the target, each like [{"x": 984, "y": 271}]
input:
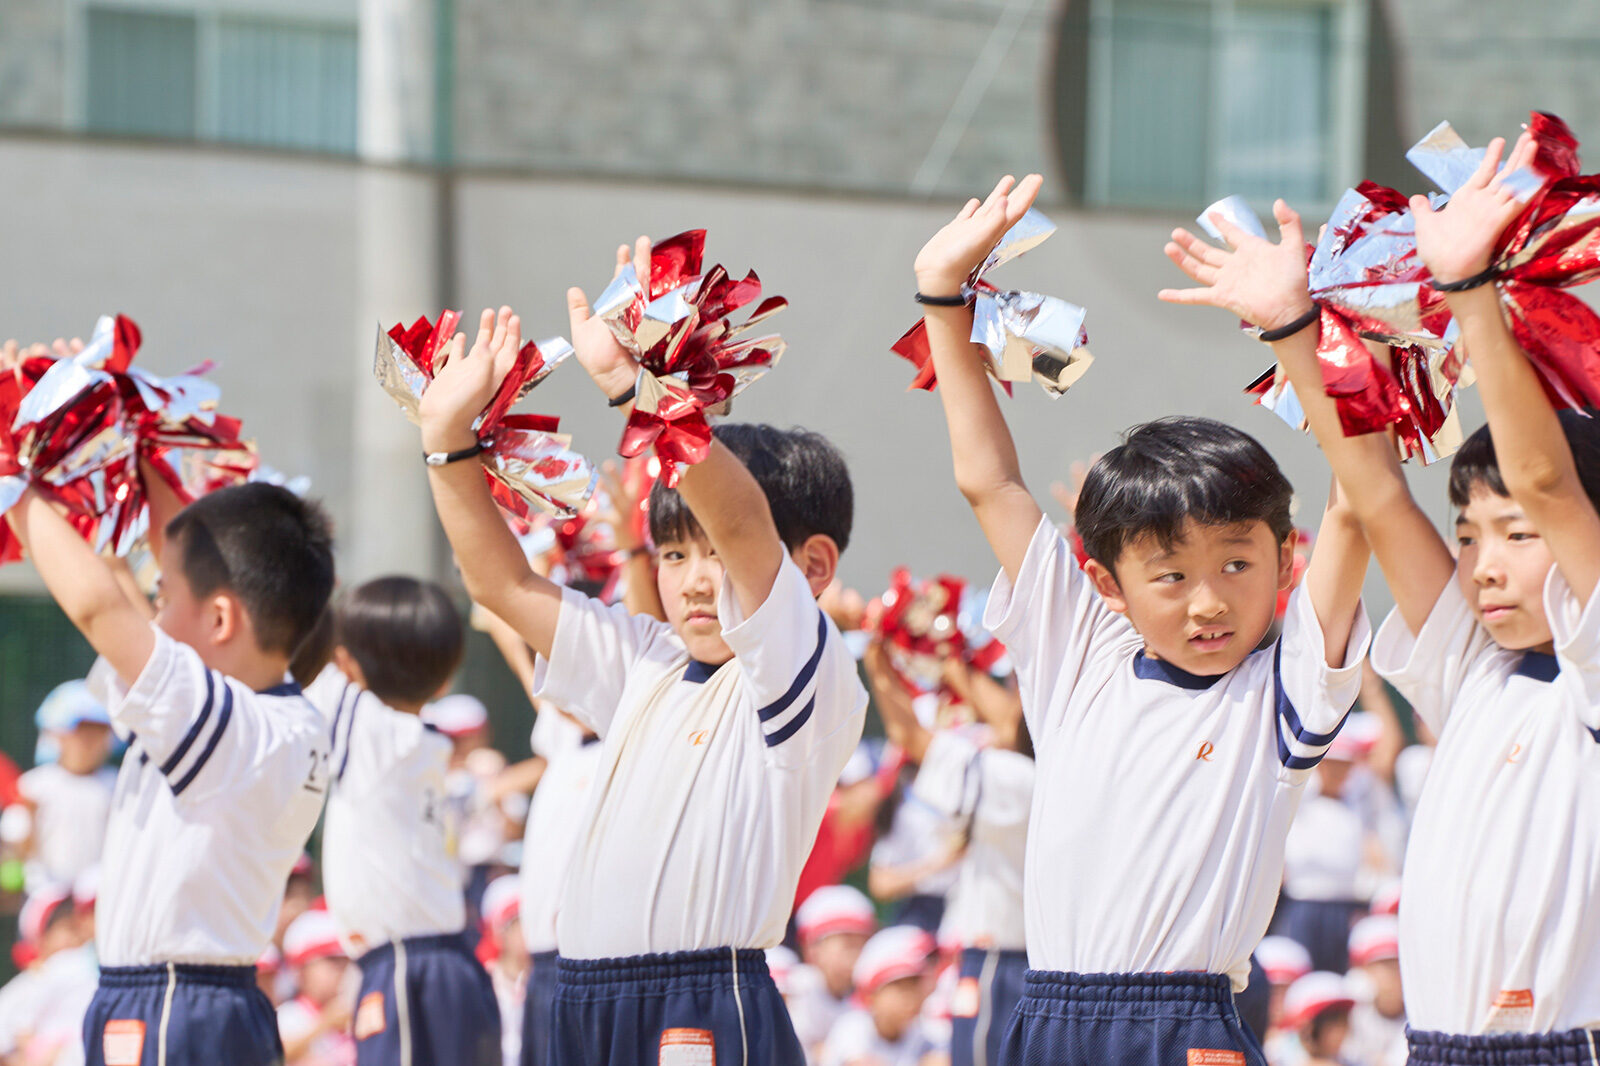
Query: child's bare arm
[
  {"x": 983, "y": 453},
  {"x": 893, "y": 700},
  {"x": 84, "y": 586},
  {"x": 723, "y": 496},
  {"x": 493, "y": 566},
  {"x": 1265, "y": 283},
  {"x": 1535, "y": 461}
]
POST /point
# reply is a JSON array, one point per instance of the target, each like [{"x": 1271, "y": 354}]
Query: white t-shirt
[
  {"x": 992, "y": 791},
  {"x": 1322, "y": 855},
  {"x": 917, "y": 833},
  {"x": 69, "y": 820},
  {"x": 712, "y": 783},
  {"x": 218, "y": 792},
  {"x": 1499, "y": 919},
  {"x": 298, "y": 1018},
  {"x": 812, "y": 1008},
  {"x": 1162, "y": 799},
  {"x": 855, "y": 1041},
  {"x": 389, "y": 867},
  {"x": 554, "y": 827}
]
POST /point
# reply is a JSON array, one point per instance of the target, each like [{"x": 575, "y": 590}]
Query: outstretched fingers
[
  {"x": 1290, "y": 231},
  {"x": 577, "y": 308}
]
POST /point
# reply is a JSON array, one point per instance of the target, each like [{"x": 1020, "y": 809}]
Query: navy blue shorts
[
  {"x": 1575, "y": 1047},
  {"x": 986, "y": 995},
  {"x": 538, "y": 1009},
  {"x": 181, "y": 1015},
  {"x": 1128, "y": 1019},
  {"x": 677, "y": 1009},
  {"x": 1322, "y": 926},
  {"x": 426, "y": 1001},
  {"x": 1255, "y": 1002}
]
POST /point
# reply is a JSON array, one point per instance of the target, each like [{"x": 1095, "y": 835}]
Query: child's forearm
[
  {"x": 84, "y": 586},
  {"x": 164, "y": 505},
  {"x": 1333, "y": 580},
  {"x": 493, "y": 567},
  {"x": 727, "y": 502}
]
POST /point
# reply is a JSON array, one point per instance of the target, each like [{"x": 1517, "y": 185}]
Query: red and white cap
[
  {"x": 303, "y": 866},
  {"x": 86, "y": 888},
  {"x": 313, "y": 935},
  {"x": 1375, "y": 938},
  {"x": 1387, "y": 899},
  {"x": 896, "y": 952},
  {"x": 35, "y": 915},
  {"x": 1356, "y": 738},
  {"x": 1312, "y": 994},
  {"x": 456, "y": 715},
  {"x": 1284, "y": 960},
  {"x": 781, "y": 963},
  {"x": 835, "y": 909},
  {"x": 502, "y": 902},
  {"x": 271, "y": 960}
]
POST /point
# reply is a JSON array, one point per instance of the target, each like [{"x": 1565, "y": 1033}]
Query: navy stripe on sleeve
[
  {"x": 349, "y": 727},
  {"x": 1287, "y": 718},
  {"x": 794, "y": 724},
  {"x": 194, "y": 730},
  {"x": 211, "y": 745},
  {"x": 807, "y": 672}
]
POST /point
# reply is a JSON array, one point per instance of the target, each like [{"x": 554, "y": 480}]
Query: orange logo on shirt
[
  {"x": 1516, "y": 753},
  {"x": 1204, "y": 754},
  {"x": 698, "y": 737}
]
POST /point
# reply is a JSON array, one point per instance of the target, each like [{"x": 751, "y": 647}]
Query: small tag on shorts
[
  {"x": 687, "y": 1047},
  {"x": 1511, "y": 1012},
  {"x": 369, "y": 1016},
  {"x": 122, "y": 1042},
  {"x": 1207, "y": 1056},
  {"x": 966, "y": 1001}
]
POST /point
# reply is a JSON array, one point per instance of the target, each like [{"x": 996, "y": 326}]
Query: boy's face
[
  {"x": 1330, "y": 1035},
  {"x": 1386, "y": 989},
  {"x": 85, "y": 746},
  {"x": 320, "y": 978},
  {"x": 896, "y": 1004},
  {"x": 1502, "y": 567},
  {"x": 835, "y": 957},
  {"x": 181, "y": 615},
  {"x": 689, "y": 578},
  {"x": 1205, "y": 602}
]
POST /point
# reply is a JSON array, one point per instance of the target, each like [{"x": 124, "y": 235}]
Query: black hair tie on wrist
[
  {"x": 627, "y": 397},
  {"x": 446, "y": 458},
  {"x": 1272, "y": 336},
  {"x": 941, "y": 301},
  {"x": 1477, "y": 280}
]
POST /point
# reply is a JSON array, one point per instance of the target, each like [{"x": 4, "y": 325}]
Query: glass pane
[
  {"x": 1275, "y": 104},
  {"x": 141, "y": 73},
  {"x": 287, "y": 85},
  {"x": 1160, "y": 82}
]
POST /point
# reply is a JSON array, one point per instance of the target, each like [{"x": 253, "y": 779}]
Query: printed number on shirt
[{"x": 317, "y": 778}]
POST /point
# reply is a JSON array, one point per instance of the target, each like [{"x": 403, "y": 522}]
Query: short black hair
[
  {"x": 805, "y": 479},
  {"x": 405, "y": 634},
  {"x": 314, "y": 651},
  {"x": 1175, "y": 469},
  {"x": 268, "y": 547},
  {"x": 1475, "y": 463}
]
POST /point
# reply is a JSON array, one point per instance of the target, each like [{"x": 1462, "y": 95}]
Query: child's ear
[
  {"x": 224, "y": 617},
  {"x": 348, "y": 666},
  {"x": 1105, "y": 582},
  {"x": 818, "y": 559},
  {"x": 1286, "y": 563}
]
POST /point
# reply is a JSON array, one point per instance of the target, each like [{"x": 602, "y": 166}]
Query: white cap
[
  {"x": 781, "y": 963},
  {"x": 1374, "y": 938},
  {"x": 1312, "y": 994},
  {"x": 1387, "y": 899},
  {"x": 1283, "y": 959},
  {"x": 892, "y": 953},
  {"x": 86, "y": 887},
  {"x": 35, "y": 914},
  {"x": 502, "y": 901},
  {"x": 835, "y": 909},
  {"x": 271, "y": 960},
  {"x": 313, "y": 935},
  {"x": 69, "y": 704},
  {"x": 456, "y": 715},
  {"x": 1356, "y": 737}
]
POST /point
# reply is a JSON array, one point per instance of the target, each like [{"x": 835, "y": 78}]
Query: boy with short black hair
[
  {"x": 389, "y": 867},
  {"x": 226, "y": 770},
  {"x": 723, "y": 730},
  {"x": 1496, "y": 649},
  {"x": 1171, "y": 752}
]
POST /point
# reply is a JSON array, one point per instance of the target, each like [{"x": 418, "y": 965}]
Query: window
[
  {"x": 224, "y": 77},
  {"x": 1186, "y": 101}
]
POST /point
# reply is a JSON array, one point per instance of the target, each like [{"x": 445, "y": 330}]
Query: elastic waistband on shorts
[
  {"x": 1058, "y": 993},
  {"x": 453, "y": 942},
  {"x": 188, "y": 973},
  {"x": 710, "y": 967},
  {"x": 1572, "y": 1047}
]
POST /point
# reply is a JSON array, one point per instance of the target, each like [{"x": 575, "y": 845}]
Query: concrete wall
[{"x": 251, "y": 260}]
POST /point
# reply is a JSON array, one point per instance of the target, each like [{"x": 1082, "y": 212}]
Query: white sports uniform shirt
[
  {"x": 555, "y": 824},
  {"x": 1500, "y": 902},
  {"x": 1162, "y": 799},
  {"x": 1323, "y": 853},
  {"x": 813, "y": 1010},
  {"x": 991, "y": 791},
  {"x": 69, "y": 820},
  {"x": 216, "y": 798},
  {"x": 712, "y": 783},
  {"x": 389, "y": 867},
  {"x": 917, "y": 833},
  {"x": 855, "y": 1041}
]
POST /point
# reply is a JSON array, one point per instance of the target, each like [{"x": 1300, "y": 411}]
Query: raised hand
[
  {"x": 953, "y": 253},
  {"x": 610, "y": 365},
  {"x": 1261, "y": 282},
  {"x": 1456, "y": 241},
  {"x": 465, "y": 380}
]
